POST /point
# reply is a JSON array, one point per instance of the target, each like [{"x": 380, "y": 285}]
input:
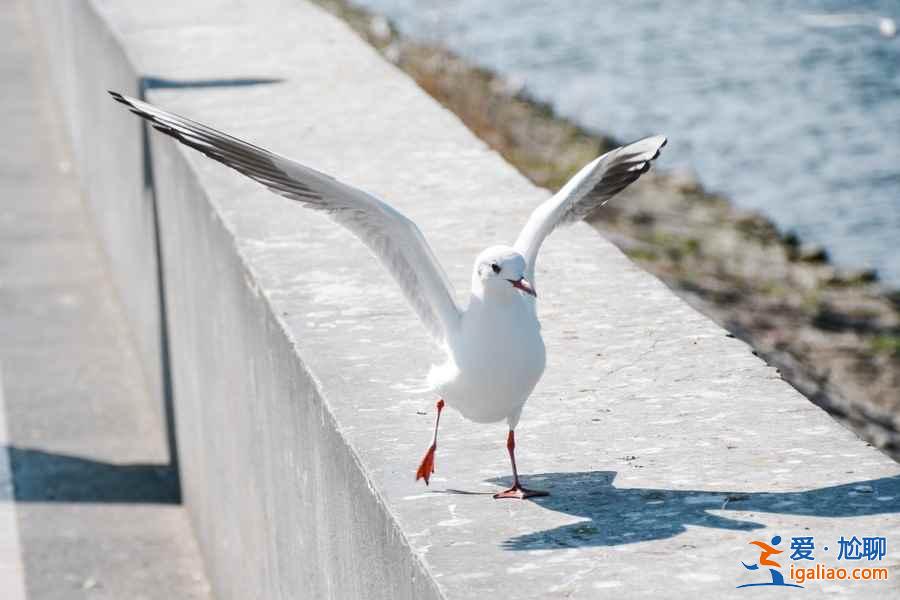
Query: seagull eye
[{"x": 495, "y": 267}]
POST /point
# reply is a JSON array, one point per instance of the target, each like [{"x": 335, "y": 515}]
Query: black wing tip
[
  {"x": 125, "y": 100},
  {"x": 626, "y": 152},
  {"x": 659, "y": 147},
  {"x": 661, "y": 144}
]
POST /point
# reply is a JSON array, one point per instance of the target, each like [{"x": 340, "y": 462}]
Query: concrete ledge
[{"x": 298, "y": 369}]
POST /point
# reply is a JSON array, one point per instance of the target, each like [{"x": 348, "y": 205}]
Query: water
[{"x": 789, "y": 108}]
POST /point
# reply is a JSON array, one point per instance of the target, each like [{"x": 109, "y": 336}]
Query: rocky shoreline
[{"x": 833, "y": 334}]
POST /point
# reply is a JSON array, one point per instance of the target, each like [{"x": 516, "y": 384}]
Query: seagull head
[{"x": 500, "y": 270}]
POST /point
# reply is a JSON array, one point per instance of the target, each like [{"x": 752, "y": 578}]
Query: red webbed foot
[
  {"x": 426, "y": 467},
  {"x": 520, "y": 493}
]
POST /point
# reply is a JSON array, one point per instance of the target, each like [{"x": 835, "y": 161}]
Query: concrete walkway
[{"x": 96, "y": 504}]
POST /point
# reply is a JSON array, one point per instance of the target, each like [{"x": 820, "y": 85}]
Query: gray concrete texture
[
  {"x": 96, "y": 498},
  {"x": 298, "y": 369},
  {"x": 119, "y": 197}
]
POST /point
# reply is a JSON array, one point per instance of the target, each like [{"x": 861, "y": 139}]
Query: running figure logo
[{"x": 766, "y": 551}]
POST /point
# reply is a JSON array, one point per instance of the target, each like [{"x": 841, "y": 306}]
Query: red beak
[{"x": 523, "y": 285}]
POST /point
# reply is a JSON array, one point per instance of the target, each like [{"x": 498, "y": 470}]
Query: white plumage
[{"x": 495, "y": 353}]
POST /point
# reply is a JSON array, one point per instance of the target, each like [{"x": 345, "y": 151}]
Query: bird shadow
[
  {"x": 457, "y": 492},
  {"x": 40, "y": 476},
  {"x": 150, "y": 82},
  {"x": 617, "y": 515}
]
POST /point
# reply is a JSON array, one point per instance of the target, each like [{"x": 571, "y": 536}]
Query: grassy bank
[{"x": 834, "y": 335}]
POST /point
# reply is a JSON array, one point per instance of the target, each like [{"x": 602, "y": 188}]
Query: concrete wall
[
  {"x": 109, "y": 150},
  {"x": 298, "y": 369}
]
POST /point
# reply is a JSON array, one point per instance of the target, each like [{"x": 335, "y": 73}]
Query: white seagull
[{"x": 495, "y": 353}]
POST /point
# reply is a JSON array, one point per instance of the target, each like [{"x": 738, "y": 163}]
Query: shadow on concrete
[
  {"x": 40, "y": 476},
  {"x": 146, "y": 83},
  {"x": 627, "y": 515}
]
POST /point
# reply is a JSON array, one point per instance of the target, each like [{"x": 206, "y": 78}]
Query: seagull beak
[{"x": 523, "y": 285}]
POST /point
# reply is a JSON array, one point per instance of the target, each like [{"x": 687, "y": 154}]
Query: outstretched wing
[
  {"x": 588, "y": 190},
  {"x": 394, "y": 239}
]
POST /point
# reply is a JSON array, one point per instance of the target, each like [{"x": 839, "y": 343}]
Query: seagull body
[
  {"x": 496, "y": 356},
  {"x": 495, "y": 353}
]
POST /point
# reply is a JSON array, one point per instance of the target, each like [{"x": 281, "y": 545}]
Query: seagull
[{"x": 495, "y": 353}]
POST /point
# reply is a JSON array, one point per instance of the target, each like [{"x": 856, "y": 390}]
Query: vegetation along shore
[{"x": 833, "y": 334}]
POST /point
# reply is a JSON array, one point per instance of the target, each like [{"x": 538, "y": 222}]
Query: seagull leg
[
  {"x": 426, "y": 467},
  {"x": 517, "y": 491}
]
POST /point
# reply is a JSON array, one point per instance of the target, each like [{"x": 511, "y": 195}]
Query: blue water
[{"x": 790, "y": 108}]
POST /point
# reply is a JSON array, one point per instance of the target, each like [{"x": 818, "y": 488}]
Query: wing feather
[
  {"x": 393, "y": 238},
  {"x": 587, "y": 191}
]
